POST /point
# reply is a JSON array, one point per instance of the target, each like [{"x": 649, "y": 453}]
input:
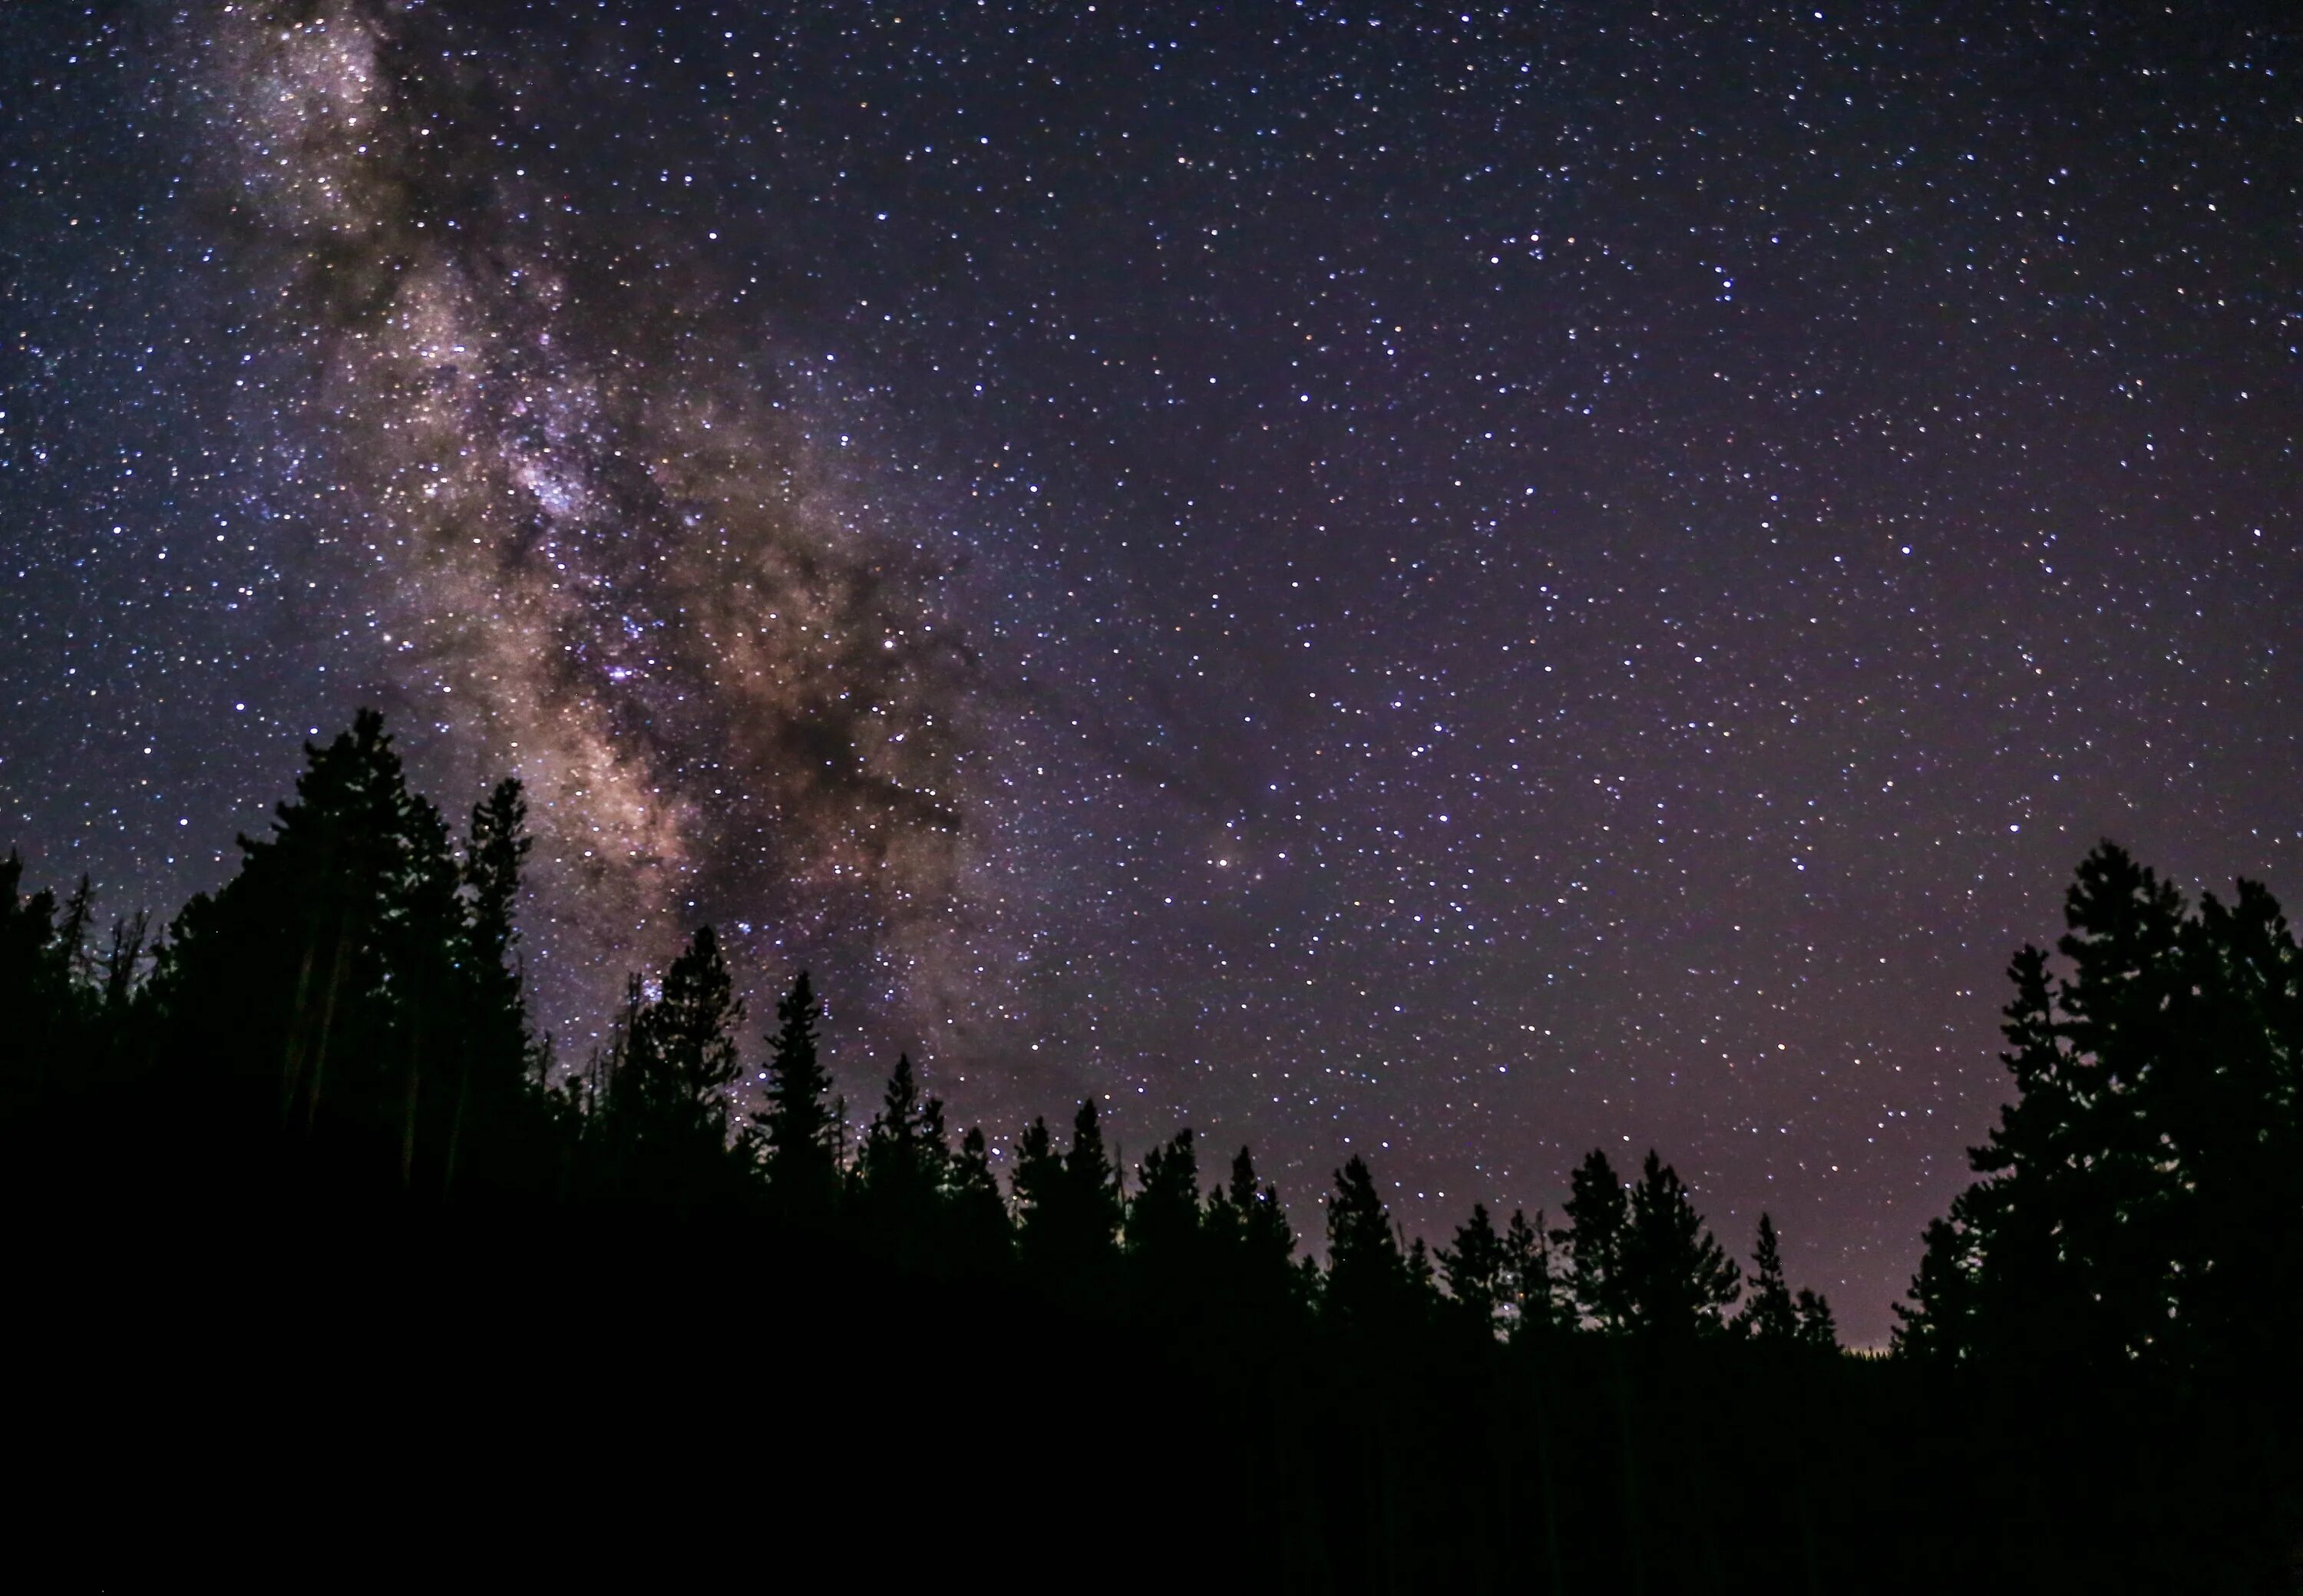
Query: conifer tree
[
  {"x": 901, "y": 1169},
  {"x": 1254, "y": 1241},
  {"x": 1534, "y": 1294},
  {"x": 2232, "y": 1111},
  {"x": 661, "y": 1131},
  {"x": 1067, "y": 1205},
  {"x": 981, "y": 1233},
  {"x": 1768, "y": 1314},
  {"x": 489, "y": 1050},
  {"x": 2151, "y": 1147},
  {"x": 331, "y": 963},
  {"x": 1676, "y": 1279},
  {"x": 1816, "y": 1327},
  {"x": 37, "y": 996},
  {"x": 1036, "y": 1178},
  {"x": 1043, "y": 1226},
  {"x": 904, "y": 1157},
  {"x": 494, "y": 852},
  {"x": 1423, "y": 1274},
  {"x": 1367, "y": 1274},
  {"x": 72, "y": 932},
  {"x": 1478, "y": 1268},
  {"x": 1264, "y": 1230},
  {"x": 798, "y": 1129},
  {"x": 683, "y": 1045},
  {"x": 122, "y": 964},
  {"x": 1070, "y": 1203},
  {"x": 1163, "y": 1218},
  {"x": 1597, "y": 1212}
]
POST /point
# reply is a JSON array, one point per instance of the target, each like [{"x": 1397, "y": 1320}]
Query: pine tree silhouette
[
  {"x": 901, "y": 1172},
  {"x": 38, "y": 1022},
  {"x": 333, "y": 963},
  {"x": 799, "y": 1129},
  {"x": 1423, "y": 1273},
  {"x": 1534, "y": 1295},
  {"x": 904, "y": 1156},
  {"x": 982, "y": 1240},
  {"x": 1037, "y": 1181},
  {"x": 1816, "y": 1327},
  {"x": 684, "y": 1044},
  {"x": 1478, "y": 1269},
  {"x": 1676, "y": 1278},
  {"x": 1598, "y": 1213},
  {"x": 1267, "y": 1237},
  {"x": 2149, "y": 1161},
  {"x": 1768, "y": 1314},
  {"x": 1367, "y": 1274},
  {"x": 1253, "y": 1245},
  {"x": 1163, "y": 1218},
  {"x": 663, "y": 1121}
]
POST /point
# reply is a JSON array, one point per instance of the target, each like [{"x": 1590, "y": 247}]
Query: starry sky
[{"x": 1454, "y": 583}]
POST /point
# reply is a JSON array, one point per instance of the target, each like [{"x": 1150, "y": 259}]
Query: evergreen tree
[
  {"x": 1989, "y": 1282},
  {"x": 2232, "y": 1112},
  {"x": 487, "y": 1049},
  {"x": 2117, "y": 1206},
  {"x": 495, "y": 851},
  {"x": 1067, "y": 1205},
  {"x": 1534, "y": 1294},
  {"x": 981, "y": 1237},
  {"x": 333, "y": 963},
  {"x": 1264, "y": 1230},
  {"x": 1676, "y": 1279},
  {"x": 1816, "y": 1327},
  {"x": 1768, "y": 1314},
  {"x": 661, "y": 1131},
  {"x": 901, "y": 1172},
  {"x": 1254, "y": 1242},
  {"x": 1598, "y": 1213},
  {"x": 1037, "y": 1181},
  {"x": 122, "y": 964},
  {"x": 1088, "y": 1211},
  {"x": 904, "y": 1158},
  {"x": 1478, "y": 1268},
  {"x": 40, "y": 1004},
  {"x": 1367, "y": 1274},
  {"x": 1055, "y": 1231},
  {"x": 1163, "y": 1219},
  {"x": 798, "y": 1129},
  {"x": 2136, "y": 1202},
  {"x": 1423, "y": 1274},
  {"x": 682, "y": 1057}
]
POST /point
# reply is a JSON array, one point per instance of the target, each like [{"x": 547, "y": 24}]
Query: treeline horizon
[
  {"x": 425, "y": 937},
  {"x": 341, "y": 1029}
]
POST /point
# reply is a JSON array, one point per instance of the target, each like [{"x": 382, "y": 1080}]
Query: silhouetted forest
[{"x": 324, "y": 1263}]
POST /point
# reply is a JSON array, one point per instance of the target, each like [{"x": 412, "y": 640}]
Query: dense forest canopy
[{"x": 354, "y": 994}]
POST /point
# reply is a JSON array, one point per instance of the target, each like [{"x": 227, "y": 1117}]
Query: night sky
[{"x": 1457, "y": 584}]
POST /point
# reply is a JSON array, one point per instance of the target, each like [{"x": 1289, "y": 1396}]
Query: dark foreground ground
[{"x": 244, "y": 1366}]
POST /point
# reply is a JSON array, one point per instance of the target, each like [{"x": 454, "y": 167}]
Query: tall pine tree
[
  {"x": 1598, "y": 1213},
  {"x": 1478, "y": 1270},
  {"x": 1675, "y": 1279},
  {"x": 1367, "y": 1273},
  {"x": 798, "y": 1130},
  {"x": 1768, "y": 1314}
]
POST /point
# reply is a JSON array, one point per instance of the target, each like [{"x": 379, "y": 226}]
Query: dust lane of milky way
[{"x": 1460, "y": 584}]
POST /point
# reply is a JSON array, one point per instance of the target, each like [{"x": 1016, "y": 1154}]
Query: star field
[{"x": 1454, "y": 583}]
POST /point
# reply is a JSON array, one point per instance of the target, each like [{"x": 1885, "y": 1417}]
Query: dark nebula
[{"x": 1454, "y": 583}]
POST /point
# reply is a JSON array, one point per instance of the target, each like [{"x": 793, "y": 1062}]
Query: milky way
[
  {"x": 602, "y": 548},
  {"x": 1459, "y": 583}
]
